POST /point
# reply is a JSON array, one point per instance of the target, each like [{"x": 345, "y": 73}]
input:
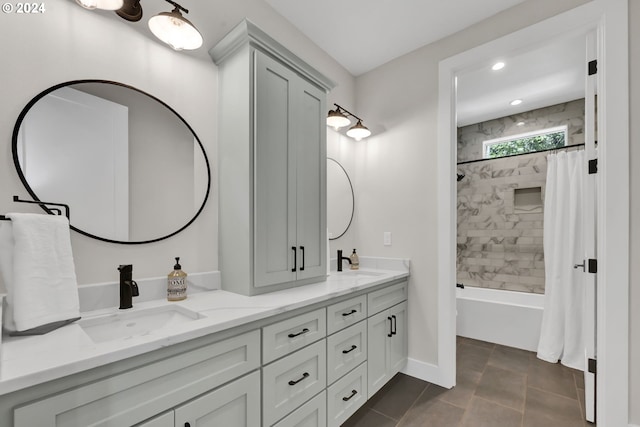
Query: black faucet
[
  {"x": 342, "y": 258},
  {"x": 128, "y": 287}
]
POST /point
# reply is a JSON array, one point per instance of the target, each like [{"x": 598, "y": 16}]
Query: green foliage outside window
[{"x": 528, "y": 144}]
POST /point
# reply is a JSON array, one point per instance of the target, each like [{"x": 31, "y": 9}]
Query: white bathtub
[{"x": 502, "y": 317}]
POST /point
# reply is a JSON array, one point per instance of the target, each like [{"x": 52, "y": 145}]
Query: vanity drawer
[
  {"x": 135, "y": 396},
  {"x": 346, "y": 313},
  {"x": 292, "y": 334},
  {"x": 347, "y": 395},
  {"x": 386, "y": 297},
  {"x": 291, "y": 381},
  {"x": 311, "y": 414},
  {"x": 346, "y": 350}
]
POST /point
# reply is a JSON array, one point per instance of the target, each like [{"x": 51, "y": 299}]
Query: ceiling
[
  {"x": 542, "y": 76},
  {"x": 364, "y": 34}
]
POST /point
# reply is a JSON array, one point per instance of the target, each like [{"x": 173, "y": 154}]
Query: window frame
[{"x": 490, "y": 142}]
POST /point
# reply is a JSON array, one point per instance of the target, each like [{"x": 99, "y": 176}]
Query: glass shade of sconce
[
  {"x": 101, "y": 4},
  {"x": 337, "y": 120},
  {"x": 175, "y": 30},
  {"x": 358, "y": 131}
]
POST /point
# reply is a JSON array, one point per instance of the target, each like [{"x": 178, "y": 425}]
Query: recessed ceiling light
[
  {"x": 516, "y": 102},
  {"x": 520, "y": 124},
  {"x": 498, "y": 66}
]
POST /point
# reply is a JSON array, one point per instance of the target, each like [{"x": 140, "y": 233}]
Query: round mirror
[
  {"x": 130, "y": 168},
  {"x": 340, "y": 199}
]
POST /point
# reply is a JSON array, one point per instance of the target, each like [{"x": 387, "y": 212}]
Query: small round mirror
[{"x": 340, "y": 199}]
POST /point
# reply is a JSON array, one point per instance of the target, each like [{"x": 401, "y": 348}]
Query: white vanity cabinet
[
  {"x": 272, "y": 168},
  {"x": 138, "y": 395},
  {"x": 312, "y": 367},
  {"x": 386, "y": 335},
  {"x": 235, "y": 405}
]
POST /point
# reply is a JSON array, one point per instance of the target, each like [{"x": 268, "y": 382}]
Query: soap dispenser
[
  {"x": 355, "y": 261},
  {"x": 177, "y": 283}
]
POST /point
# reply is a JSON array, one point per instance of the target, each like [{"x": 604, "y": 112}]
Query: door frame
[{"x": 610, "y": 18}]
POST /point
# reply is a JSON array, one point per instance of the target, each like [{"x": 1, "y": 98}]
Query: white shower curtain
[{"x": 561, "y": 335}]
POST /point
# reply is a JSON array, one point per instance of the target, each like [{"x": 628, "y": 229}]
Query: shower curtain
[{"x": 561, "y": 335}]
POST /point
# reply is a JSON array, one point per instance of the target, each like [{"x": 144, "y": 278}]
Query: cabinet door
[
  {"x": 378, "y": 331},
  {"x": 311, "y": 178},
  {"x": 275, "y": 245},
  {"x": 236, "y": 404},
  {"x": 398, "y": 341},
  {"x": 164, "y": 420}
]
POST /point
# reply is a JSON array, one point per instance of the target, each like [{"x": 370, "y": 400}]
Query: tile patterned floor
[{"x": 497, "y": 386}]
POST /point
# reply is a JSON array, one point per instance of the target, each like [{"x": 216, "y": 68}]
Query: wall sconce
[
  {"x": 170, "y": 27},
  {"x": 339, "y": 118}
]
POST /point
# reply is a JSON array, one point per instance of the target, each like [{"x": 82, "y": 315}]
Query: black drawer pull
[
  {"x": 395, "y": 324},
  {"x": 350, "y": 313},
  {"x": 390, "y": 326},
  {"x": 353, "y": 347},
  {"x": 353, "y": 393},
  {"x": 187, "y": 425},
  {"x": 304, "y": 331},
  {"x": 302, "y": 249},
  {"x": 295, "y": 259},
  {"x": 305, "y": 375}
]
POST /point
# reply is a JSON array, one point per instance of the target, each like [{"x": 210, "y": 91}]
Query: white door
[
  {"x": 96, "y": 131},
  {"x": 590, "y": 229}
]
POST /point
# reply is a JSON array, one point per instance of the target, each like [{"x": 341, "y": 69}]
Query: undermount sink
[
  {"x": 360, "y": 273},
  {"x": 128, "y": 324}
]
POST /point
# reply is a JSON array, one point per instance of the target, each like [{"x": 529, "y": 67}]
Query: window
[{"x": 525, "y": 143}]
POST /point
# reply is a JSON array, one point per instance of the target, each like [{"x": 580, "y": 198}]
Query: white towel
[{"x": 42, "y": 286}]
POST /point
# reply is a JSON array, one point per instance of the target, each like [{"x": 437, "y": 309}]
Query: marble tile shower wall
[
  {"x": 571, "y": 113},
  {"x": 500, "y": 245}
]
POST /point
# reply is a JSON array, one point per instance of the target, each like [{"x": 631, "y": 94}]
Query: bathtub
[{"x": 502, "y": 317}]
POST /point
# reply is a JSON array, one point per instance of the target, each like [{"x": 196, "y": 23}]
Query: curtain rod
[{"x": 522, "y": 154}]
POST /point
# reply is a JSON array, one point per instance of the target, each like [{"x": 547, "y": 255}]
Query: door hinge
[
  {"x": 592, "y": 266},
  {"x": 593, "y": 166},
  {"x": 592, "y": 67},
  {"x": 592, "y": 366}
]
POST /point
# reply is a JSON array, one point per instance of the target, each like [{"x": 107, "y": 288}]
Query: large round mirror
[
  {"x": 130, "y": 168},
  {"x": 340, "y": 199}
]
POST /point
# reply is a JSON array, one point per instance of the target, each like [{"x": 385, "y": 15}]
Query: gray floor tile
[
  {"x": 509, "y": 358},
  {"x": 466, "y": 383},
  {"x": 429, "y": 411},
  {"x": 472, "y": 357},
  {"x": 544, "y": 409},
  {"x": 366, "y": 417},
  {"x": 503, "y": 387},
  {"x": 477, "y": 343},
  {"x": 552, "y": 377},
  {"x": 397, "y": 396},
  {"x": 482, "y": 413}
]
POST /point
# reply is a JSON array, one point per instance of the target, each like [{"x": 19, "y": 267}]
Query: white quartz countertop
[{"x": 28, "y": 361}]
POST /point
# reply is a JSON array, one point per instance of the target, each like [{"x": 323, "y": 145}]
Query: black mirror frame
[
  {"x": 14, "y": 152},
  {"x": 353, "y": 199}
]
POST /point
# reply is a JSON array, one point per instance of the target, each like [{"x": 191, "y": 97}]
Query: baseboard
[{"x": 425, "y": 371}]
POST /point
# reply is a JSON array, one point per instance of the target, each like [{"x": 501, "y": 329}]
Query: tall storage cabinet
[{"x": 272, "y": 165}]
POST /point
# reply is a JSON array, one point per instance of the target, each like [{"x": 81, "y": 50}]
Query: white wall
[
  {"x": 396, "y": 168},
  {"x": 634, "y": 298},
  {"x": 67, "y": 43}
]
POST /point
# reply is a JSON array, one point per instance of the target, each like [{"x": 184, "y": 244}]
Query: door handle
[
  {"x": 302, "y": 249},
  {"x": 295, "y": 258},
  {"x": 395, "y": 325},
  {"x": 390, "y": 327}
]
